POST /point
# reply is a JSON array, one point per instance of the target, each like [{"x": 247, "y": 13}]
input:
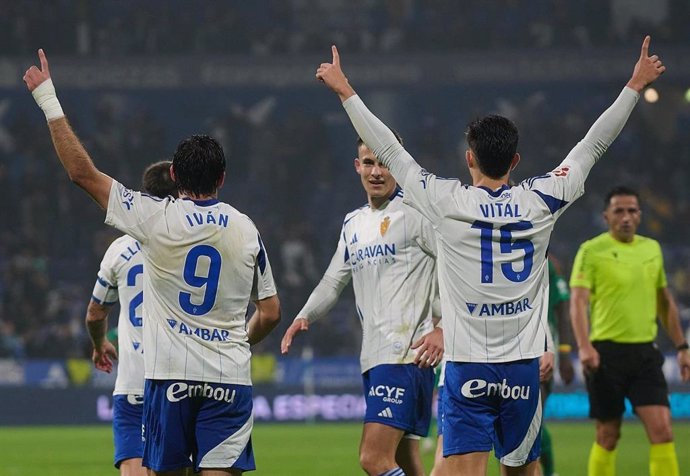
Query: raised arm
[
  {"x": 68, "y": 147},
  {"x": 607, "y": 127},
  {"x": 422, "y": 191}
]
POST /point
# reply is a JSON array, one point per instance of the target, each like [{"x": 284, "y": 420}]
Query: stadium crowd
[
  {"x": 289, "y": 159},
  {"x": 265, "y": 27}
]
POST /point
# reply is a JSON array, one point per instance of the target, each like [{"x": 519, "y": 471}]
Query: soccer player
[
  {"x": 387, "y": 248},
  {"x": 618, "y": 279},
  {"x": 559, "y": 322},
  {"x": 119, "y": 279},
  {"x": 204, "y": 262},
  {"x": 493, "y": 278}
]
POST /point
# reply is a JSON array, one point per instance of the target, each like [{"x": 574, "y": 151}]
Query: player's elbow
[
  {"x": 96, "y": 312},
  {"x": 270, "y": 310}
]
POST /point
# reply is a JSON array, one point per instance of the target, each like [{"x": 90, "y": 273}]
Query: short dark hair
[
  {"x": 397, "y": 135},
  {"x": 493, "y": 140},
  {"x": 199, "y": 165},
  {"x": 620, "y": 190},
  {"x": 157, "y": 181}
]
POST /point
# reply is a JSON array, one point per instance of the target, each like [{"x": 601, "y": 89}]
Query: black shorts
[{"x": 626, "y": 370}]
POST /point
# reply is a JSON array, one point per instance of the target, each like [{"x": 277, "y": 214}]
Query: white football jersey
[
  {"x": 389, "y": 253},
  {"x": 204, "y": 261},
  {"x": 120, "y": 278},
  {"x": 492, "y": 244}
]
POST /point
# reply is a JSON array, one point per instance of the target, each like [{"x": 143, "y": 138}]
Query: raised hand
[
  {"x": 332, "y": 76},
  {"x": 647, "y": 69},
  {"x": 298, "y": 325},
  {"x": 34, "y": 76}
]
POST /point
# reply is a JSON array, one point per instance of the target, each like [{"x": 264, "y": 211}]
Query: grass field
[{"x": 285, "y": 450}]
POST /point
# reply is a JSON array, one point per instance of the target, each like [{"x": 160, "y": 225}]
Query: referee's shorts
[{"x": 632, "y": 371}]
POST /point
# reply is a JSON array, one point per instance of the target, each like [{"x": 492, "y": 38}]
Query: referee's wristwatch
[{"x": 683, "y": 346}]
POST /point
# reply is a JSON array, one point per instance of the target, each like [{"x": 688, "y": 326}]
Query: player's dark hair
[
  {"x": 199, "y": 164},
  {"x": 157, "y": 181},
  {"x": 618, "y": 191},
  {"x": 397, "y": 135},
  {"x": 493, "y": 140}
]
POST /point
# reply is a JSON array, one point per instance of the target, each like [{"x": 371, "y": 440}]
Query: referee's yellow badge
[{"x": 385, "y": 223}]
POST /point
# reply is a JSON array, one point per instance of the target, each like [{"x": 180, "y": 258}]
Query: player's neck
[
  {"x": 490, "y": 183},
  {"x": 193, "y": 196},
  {"x": 377, "y": 202}
]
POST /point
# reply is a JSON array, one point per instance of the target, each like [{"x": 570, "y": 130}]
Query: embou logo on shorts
[
  {"x": 478, "y": 388},
  {"x": 180, "y": 390},
  {"x": 389, "y": 394}
]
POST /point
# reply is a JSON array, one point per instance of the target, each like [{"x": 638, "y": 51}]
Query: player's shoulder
[
  {"x": 596, "y": 243},
  {"x": 124, "y": 245},
  {"x": 648, "y": 243},
  {"x": 355, "y": 213}
]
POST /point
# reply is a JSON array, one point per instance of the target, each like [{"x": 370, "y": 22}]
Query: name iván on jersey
[{"x": 197, "y": 219}]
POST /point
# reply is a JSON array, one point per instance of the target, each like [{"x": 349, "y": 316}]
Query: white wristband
[{"x": 47, "y": 100}]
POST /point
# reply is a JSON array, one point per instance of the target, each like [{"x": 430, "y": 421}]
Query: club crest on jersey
[{"x": 385, "y": 223}]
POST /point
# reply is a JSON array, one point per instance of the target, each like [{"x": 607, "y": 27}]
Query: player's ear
[
  {"x": 469, "y": 158},
  {"x": 515, "y": 161},
  {"x": 172, "y": 173},
  {"x": 221, "y": 181},
  {"x": 358, "y": 165}
]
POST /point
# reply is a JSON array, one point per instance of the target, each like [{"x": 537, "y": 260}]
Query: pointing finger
[
  {"x": 336, "y": 56},
  {"x": 44, "y": 60},
  {"x": 645, "y": 47}
]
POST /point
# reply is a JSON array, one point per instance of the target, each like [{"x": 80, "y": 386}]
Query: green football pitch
[{"x": 284, "y": 450}]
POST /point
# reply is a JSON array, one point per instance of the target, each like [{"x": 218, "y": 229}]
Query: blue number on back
[
  {"x": 210, "y": 281},
  {"x": 137, "y": 301},
  {"x": 507, "y": 247}
]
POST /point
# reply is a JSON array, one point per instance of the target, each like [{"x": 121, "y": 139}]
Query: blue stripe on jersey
[
  {"x": 495, "y": 193},
  {"x": 102, "y": 303},
  {"x": 359, "y": 313},
  {"x": 530, "y": 181},
  {"x": 152, "y": 197},
  {"x": 393, "y": 472},
  {"x": 553, "y": 203},
  {"x": 261, "y": 257},
  {"x": 396, "y": 193},
  {"x": 105, "y": 283}
]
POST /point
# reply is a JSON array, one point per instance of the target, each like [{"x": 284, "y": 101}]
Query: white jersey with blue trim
[
  {"x": 492, "y": 244},
  {"x": 120, "y": 279},
  {"x": 389, "y": 253},
  {"x": 204, "y": 261}
]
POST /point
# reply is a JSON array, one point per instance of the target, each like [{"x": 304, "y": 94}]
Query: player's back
[
  {"x": 204, "y": 261},
  {"x": 120, "y": 278},
  {"x": 493, "y": 256}
]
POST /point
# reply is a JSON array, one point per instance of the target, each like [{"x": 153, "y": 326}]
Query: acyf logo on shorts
[
  {"x": 478, "y": 388},
  {"x": 389, "y": 394},
  {"x": 181, "y": 390}
]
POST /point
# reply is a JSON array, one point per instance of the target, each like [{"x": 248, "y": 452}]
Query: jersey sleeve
[
  {"x": 105, "y": 289},
  {"x": 427, "y": 238},
  {"x": 424, "y": 191},
  {"x": 661, "y": 280},
  {"x": 566, "y": 183},
  {"x": 132, "y": 212},
  {"x": 581, "y": 276},
  {"x": 264, "y": 285},
  {"x": 326, "y": 293}
]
